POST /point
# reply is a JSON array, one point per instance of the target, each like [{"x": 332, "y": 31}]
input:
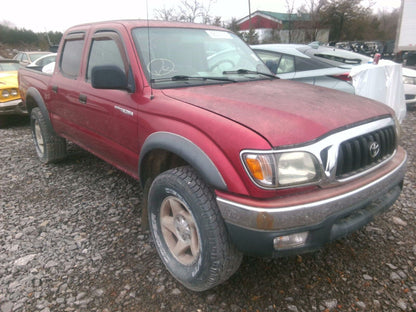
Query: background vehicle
[
  {"x": 25, "y": 58},
  {"x": 42, "y": 61},
  {"x": 409, "y": 83},
  {"x": 231, "y": 159},
  {"x": 324, "y": 66},
  {"x": 10, "y": 101},
  {"x": 336, "y": 57},
  {"x": 382, "y": 83},
  {"x": 290, "y": 61},
  {"x": 406, "y": 29}
]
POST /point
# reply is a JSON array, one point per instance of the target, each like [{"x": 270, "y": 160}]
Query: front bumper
[
  {"x": 326, "y": 214},
  {"x": 14, "y": 107},
  {"x": 410, "y": 95}
]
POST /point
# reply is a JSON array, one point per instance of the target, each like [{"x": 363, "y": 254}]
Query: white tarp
[{"x": 383, "y": 83}]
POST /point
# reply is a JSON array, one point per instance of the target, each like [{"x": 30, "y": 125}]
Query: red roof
[{"x": 258, "y": 21}]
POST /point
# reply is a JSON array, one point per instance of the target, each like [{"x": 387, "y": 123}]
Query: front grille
[{"x": 360, "y": 153}]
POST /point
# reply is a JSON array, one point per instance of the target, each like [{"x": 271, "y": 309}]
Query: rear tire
[
  {"x": 188, "y": 230},
  {"x": 49, "y": 147},
  {"x": 2, "y": 121}
]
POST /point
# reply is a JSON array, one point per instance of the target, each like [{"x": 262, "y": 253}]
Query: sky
[{"x": 58, "y": 15}]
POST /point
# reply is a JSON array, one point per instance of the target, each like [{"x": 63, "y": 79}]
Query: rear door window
[{"x": 303, "y": 64}]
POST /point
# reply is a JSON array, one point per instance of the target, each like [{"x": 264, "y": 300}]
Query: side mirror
[{"x": 108, "y": 77}]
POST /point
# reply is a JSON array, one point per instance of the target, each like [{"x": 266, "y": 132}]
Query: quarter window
[
  {"x": 286, "y": 65},
  {"x": 71, "y": 56},
  {"x": 278, "y": 63},
  {"x": 18, "y": 57},
  {"x": 271, "y": 59}
]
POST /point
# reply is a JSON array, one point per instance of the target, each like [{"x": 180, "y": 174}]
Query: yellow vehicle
[{"x": 10, "y": 101}]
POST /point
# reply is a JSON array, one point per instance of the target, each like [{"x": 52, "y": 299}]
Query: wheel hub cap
[
  {"x": 38, "y": 136},
  {"x": 179, "y": 230},
  {"x": 182, "y": 228}
]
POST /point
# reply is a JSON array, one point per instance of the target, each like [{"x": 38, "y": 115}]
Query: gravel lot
[{"x": 70, "y": 240}]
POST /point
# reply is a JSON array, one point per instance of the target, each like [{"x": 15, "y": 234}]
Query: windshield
[{"x": 179, "y": 56}]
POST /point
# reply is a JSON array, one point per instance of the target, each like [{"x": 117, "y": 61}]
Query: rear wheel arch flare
[{"x": 34, "y": 99}]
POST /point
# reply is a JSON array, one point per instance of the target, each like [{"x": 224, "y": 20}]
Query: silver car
[
  {"x": 25, "y": 58},
  {"x": 42, "y": 61},
  {"x": 321, "y": 66}
]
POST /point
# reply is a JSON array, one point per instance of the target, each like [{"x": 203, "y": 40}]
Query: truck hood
[{"x": 283, "y": 112}]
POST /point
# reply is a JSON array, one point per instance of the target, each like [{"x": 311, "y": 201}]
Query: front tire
[
  {"x": 49, "y": 147},
  {"x": 188, "y": 230}
]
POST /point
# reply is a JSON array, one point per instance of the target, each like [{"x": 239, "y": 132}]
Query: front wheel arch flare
[{"x": 186, "y": 150}]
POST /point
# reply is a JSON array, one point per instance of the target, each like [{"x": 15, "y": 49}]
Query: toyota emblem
[{"x": 374, "y": 149}]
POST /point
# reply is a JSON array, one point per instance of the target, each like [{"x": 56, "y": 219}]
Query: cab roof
[{"x": 130, "y": 24}]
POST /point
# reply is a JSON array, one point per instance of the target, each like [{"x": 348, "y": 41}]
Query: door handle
[
  {"x": 82, "y": 99},
  {"x": 55, "y": 89}
]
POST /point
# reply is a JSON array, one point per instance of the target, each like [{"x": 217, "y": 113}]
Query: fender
[
  {"x": 188, "y": 151},
  {"x": 34, "y": 93}
]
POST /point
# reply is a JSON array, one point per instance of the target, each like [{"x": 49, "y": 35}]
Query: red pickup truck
[{"x": 232, "y": 160}]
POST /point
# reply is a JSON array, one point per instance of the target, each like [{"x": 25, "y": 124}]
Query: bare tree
[
  {"x": 290, "y": 5},
  {"x": 312, "y": 8},
  {"x": 165, "y": 14},
  {"x": 217, "y": 22},
  {"x": 187, "y": 11}
]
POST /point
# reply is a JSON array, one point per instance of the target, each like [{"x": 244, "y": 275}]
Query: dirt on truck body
[{"x": 231, "y": 159}]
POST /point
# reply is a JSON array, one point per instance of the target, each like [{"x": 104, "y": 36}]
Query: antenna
[{"x": 148, "y": 48}]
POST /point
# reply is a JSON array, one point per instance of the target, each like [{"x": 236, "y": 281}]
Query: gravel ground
[{"x": 70, "y": 240}]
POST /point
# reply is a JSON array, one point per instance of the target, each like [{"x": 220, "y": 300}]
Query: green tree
[
  {"x": 312, "y": 8},
  {"x": 250, "y": 37},
  {"x": 233, "y": 26},
  {"x": 388, "y": 22},
  {"x": 23, "y": 37},
  {"x": 347, "y": 19}
]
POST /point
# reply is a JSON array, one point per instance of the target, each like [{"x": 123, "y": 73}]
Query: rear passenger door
[{"x": 64, "y": 105}]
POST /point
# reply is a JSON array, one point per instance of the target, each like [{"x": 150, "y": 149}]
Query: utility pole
[
  {"x": 249, "y": 23},
  {"x": 249, "y": 14}
]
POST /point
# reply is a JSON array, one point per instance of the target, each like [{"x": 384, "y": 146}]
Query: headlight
[
  {"x": 13, "y": 92},
  {"x": 296, "y": 168},
  {"x": 5, "y": 93},
  {"x": 279, "y": 170},
  {"x": 409, "y": 80}
]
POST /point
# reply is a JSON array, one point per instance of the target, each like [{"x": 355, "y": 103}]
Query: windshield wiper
[
  {"x": 248, "y": 72},
  {"x": 186, "y": 78}
]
